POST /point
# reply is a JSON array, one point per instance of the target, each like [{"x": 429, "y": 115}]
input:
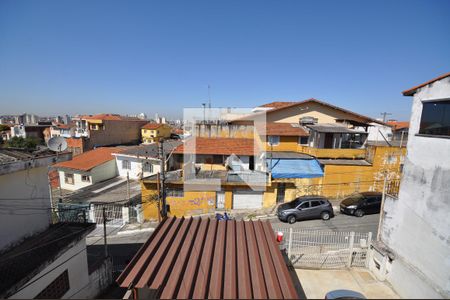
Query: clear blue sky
[{"x": 139, "y": 56}]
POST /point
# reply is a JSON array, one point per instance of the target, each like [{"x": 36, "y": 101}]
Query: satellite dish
[{"x": 57, "y": 144}]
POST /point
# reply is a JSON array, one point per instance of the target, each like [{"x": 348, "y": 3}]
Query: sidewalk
[{"x": 316, "y": 283}]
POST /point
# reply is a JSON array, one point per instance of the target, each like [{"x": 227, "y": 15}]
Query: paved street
[{"x": 339, "y": 223}]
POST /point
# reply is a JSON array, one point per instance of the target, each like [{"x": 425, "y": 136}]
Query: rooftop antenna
[
  {"x": 385, "y": 114},
  {"x": 209, "y": 96}
]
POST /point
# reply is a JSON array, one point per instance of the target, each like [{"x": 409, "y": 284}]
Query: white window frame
[
  {"x": 126, "y": 164},
  {"x": 67, "y": 176},
  {"x": 88, "y": 178}
]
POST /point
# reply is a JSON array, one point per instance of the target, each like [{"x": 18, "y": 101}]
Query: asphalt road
[{"x": 340, "y": 223}]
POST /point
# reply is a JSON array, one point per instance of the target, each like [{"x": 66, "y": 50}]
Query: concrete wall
[
  {"x": 416, "y": 226},
  {"x": 116, "y": 133},
  {"x": 20, "y": 191},
  {"x": 78, "y": 275},
  {"x": 136, "y": 167},
  {"x": 104, "y": 171},
  {"x": 374, "y": 132},
  {"x": 8, "y": 168}
]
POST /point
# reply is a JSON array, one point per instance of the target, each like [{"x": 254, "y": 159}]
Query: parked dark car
[
  {"x": 361, "y": 204},
  {"x": 304, "y": 208}
]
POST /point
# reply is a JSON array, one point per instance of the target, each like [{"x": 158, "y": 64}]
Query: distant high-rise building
[
  {"x": 67, "y": 119},
  {"x": 26, "y": 119}
]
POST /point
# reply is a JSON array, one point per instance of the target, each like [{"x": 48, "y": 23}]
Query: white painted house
[
  {"x": 142, "y": 161},
  {"x": 415, "y": 231},
  {"x": 39, "y": 259},
  {"x": 88, "y": 168}
]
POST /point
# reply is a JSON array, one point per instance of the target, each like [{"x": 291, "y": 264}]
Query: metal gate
[
  {"x": 315, "y": 249},
  {"x": 113, "y": 214}
]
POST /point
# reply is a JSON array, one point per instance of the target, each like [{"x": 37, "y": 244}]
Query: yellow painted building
[{"x": 153, "y": 132}]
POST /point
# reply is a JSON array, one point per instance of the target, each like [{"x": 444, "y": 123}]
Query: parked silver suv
[{"x": 304, "y": 208}]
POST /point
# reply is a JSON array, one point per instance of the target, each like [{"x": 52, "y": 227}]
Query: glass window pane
[{"x": 435, "y": 118}]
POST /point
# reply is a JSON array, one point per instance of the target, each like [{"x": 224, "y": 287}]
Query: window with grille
[
  {"x": 57, "y": 288},
  {"x": 126, "y": 164}
]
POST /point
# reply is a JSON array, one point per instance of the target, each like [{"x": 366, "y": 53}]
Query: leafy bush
[{"x": 23, "y": 143}]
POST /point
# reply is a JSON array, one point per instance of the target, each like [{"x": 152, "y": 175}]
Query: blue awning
[{"x": 295, "y": 168}]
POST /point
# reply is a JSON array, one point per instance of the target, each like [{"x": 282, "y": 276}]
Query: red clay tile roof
[
  {"x": 284, "y": 129},
  {"x": 219, "y": 146},
  {"x": 90, "y": 159},
  {"x": 412, "y": 90},
  {"x": 199, "y": 258},
  {"x": 64, "y": 126},
  {"x": 152, "y": 126},
  {"x": 277, "y": 104},
  {"x": 109, "y": 117},
  {"x": 398, "y": 125}
]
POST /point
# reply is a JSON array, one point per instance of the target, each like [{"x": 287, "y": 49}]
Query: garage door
[{"x": 245, "y": 200}]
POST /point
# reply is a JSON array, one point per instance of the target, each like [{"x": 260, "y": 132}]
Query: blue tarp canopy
[{"x": 296, "y": 168}]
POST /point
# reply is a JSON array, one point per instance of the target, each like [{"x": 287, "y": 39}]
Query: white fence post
[
  {"x": 350, "y": 255},
  {"x": 290, "y": 243}
]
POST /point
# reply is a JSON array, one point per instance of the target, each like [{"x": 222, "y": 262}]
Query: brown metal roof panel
[
  {"x": 157, "y": 259},
  {"x": 270, "y": 275},
  {"x": 244, "y": 280},
  {"x": 256, "y": 272},
  {"x": 230, "y": 277},
  {"x": 284, "y": 278},
  {"x": 218, "y": 263},
  {"x": 143, "y": 256},
  {"x": 203, "y": 275},
  {"x": 192, "y": 267},
  {"x": 170, "y": 289},
  {"x": 169, "y": 260}
]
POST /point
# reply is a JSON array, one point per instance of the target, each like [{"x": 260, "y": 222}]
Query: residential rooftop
[
  {"x": 334, "y": 128},
  {"x": 90, "y": 159},
  {"x": 208, "y": 259},
  {"x": 152, "y": 126},
  {"x": 413, "y": 90},
  {"x": 108, "y": 117},
  {"x": 283, "y": 129},
  {"x": 217, "y": 146},
  {"x": 21, "y": 263},
  {"x": 150, "y": 150}
]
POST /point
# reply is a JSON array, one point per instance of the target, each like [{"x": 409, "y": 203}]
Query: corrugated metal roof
[{"x": 199, "y": 258}]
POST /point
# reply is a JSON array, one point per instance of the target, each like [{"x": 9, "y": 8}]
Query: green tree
[{"x": 23, "y": 143}]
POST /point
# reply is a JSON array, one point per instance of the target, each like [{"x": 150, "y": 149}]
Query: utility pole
[
  {"x": 104, "y": 232},
  {"x": 162, "y": 177},
  {"x": 128, "y": 187},
  {"x": 385, "y": 114},
  {"x": 383, "y": 197}
]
